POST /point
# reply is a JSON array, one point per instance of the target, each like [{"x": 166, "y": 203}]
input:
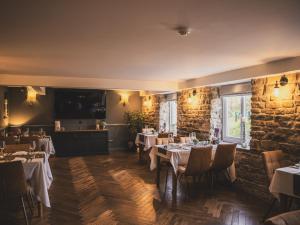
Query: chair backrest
[
  {"x": 224, "y": 156},
  {"x": 164, "y": 135},
  {"x": 10, "y": 140},
  {"x": 184, "y": 139},
  {"x": 17, "y": 148},
  {"x": 272, "y": 160},
  {"x": 12, "y": 180},
  {"x": 289, "y": 218},
  {"x": 162, "y": 141},
  {"x": 142, "y": 138},
  {"x": 30, "y": 140},
  {"x": 199, "y": 160}
]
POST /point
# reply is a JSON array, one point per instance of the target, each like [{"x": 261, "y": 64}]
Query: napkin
[
  {"x": 19, "y": 159},
  {"x": 20, "y": 153}
]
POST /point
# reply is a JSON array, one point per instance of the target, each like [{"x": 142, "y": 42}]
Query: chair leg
[
  {"x": 212, "y": 180},
  {"x": 30, "y": 205},
  {"x": 290, "y": 203},
  {"x": 24, "y": 211},
  {"x": 269, "y": 210},
  {"x": 166, "y": 183}
]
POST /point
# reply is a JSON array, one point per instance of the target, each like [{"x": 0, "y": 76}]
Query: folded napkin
[
  {"x": 20, "y": 153},
  {"x": 19, "y": 159}
]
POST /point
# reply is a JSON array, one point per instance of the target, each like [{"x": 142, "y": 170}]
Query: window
[
  {"x": 237, "y": 118},
  {"x": 168, "y": 116}
]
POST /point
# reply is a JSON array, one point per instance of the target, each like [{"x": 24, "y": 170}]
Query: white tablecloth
[
  {"x": 39, "y": 173},
  {"x": 283, "y": 181},
  {"x": 179, "y": 155},
  {"x": 47, "y": 145},
  {"x": 149, "y": 140}
]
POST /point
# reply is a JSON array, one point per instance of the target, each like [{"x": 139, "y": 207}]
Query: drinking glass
[{"x": 33, "y": 146}]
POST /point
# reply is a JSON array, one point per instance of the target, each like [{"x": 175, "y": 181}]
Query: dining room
[{"x": 150, "y": 112}]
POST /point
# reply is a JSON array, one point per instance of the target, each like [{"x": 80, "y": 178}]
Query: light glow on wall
[
  {"x": 148, "y": 102},
  {"x": 124, "y": 97},
  {"x": 19, "y": 120},
  {"x": 31, "y": 95}
]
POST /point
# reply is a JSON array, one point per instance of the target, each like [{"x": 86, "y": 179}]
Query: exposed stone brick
[
  {"x": 275, "y": 126},
  {"x": 150, "y": 107},
  {"x": 200, "y": 113}
]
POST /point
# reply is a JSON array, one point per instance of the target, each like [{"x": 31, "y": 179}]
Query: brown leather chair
[
  {"x": 184, "y": 139},
  {"x": 17, "y": 148},
  {"x": 164, "y": 135},
  {"x": 162, "y": 141},
  {"x": 272, "y": 160},
  {"x": 289, "y": 218},
  {"x": 224, "y": 157},
  {"x": 13, "y": 187},
  {"x": 198, "y": 164},
  {"x": 10, "y": 140}
]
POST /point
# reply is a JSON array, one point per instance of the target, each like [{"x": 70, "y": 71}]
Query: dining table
[
  {"x": 145, "y": 141},
  {"x": 177, "y": 154},
  {"x": 37, "y": 171},
  {"x": 285, "y": 184},
  {"x": 46, "y": 143}
]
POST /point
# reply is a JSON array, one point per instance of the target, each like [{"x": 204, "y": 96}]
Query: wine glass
[{"x": 33, "y": 146}]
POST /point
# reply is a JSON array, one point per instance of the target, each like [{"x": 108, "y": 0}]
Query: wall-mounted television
[{"x": 80, "y": 104}]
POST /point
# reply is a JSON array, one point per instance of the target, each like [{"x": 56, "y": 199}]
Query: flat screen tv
[{"x": 80, "y": 104}]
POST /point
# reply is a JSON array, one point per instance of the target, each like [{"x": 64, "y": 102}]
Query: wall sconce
[
  {"x": 283, "y": 80},
  {"x": 124, "y": 98},
  {"x": 276, "y": 89},
  {"x": 191, "y": 97},
  {"x": 31, "y": 95},
  {"x": 147, "y": 102}
]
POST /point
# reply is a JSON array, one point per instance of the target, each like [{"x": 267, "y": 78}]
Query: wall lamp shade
[
  {"x": 283, "y": 80},
  {"x": 276, "y": 89},
  {"x": 31, "y": 95},
  {"x": 124, "y": 98}
]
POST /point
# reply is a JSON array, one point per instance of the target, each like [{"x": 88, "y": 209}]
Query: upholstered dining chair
[
  {"x": 272, "y": 160},
  {"x": 289, "y": 218},
  {"x": 30, "y": 140},
  {"x": 199, "y": 163},
  {"x": 224, "y": 157},
  {"x": 13, "y": 187},
  {"x": 162, "y": 141},
  {"x": 10, "y": 140},
  {"x": 17, "y": 148},
  {"x": 184, "y": 139},
  {"x": 164, "y": 135}
]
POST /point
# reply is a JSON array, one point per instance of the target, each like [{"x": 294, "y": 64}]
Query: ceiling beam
[
  {"x": 244, "y": 74},
  {"x": 89, "y": 83}
]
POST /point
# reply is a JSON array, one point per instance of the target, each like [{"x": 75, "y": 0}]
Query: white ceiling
[{"x": 130, "y": 40}]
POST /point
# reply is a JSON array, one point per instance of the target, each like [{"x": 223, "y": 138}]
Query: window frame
[
  {"x": 224, "y": 118},
  {"x": 170, "y": 116}
]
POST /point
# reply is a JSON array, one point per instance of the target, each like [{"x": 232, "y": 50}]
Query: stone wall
[
  {"x": 275, "y": 124},
  {"x": 150, "y": 107},
  {"x": 194, "y": 111}
]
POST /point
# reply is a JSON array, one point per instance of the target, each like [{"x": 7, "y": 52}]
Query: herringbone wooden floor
[{"x": 116, "y": 189}]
